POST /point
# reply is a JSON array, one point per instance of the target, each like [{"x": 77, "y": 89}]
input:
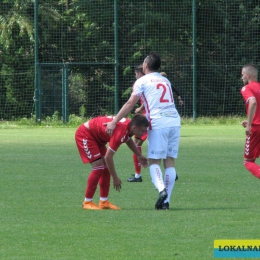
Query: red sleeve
[
  {"x": 246, "y": 93},
  {"x": 120, "y": 135}
]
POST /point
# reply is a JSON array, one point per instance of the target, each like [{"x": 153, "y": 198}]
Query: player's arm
[
  {"x": 178, "y": 95},
  {"x": 176, "y": 91},
  {"x": 180, "y": 101},
  {"x": 111, "y": 167},
  {"x": 139, "y": 109},
  {"x": 124, "y": 111},
  {"x": 143, "y": 160},
  {"x": 250, "y": 114}
]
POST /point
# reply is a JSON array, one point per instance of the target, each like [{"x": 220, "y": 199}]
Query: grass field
[{"x": 43, "y": 185}]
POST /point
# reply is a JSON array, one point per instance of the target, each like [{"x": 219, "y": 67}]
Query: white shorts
[{"x": 163, "y": 142}]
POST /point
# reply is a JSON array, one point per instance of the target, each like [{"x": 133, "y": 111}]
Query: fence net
[{"x": 85, "y": 36}]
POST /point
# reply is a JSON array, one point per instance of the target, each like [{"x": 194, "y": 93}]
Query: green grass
[
  {"x": 74, "y": 121},
  {"x": 43, "y": 185}
]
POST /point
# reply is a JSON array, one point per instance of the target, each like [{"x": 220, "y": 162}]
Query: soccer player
[
  {"x": 251, "y": 95},
  {"x": 164, "y": 131},
  {"x": 138, "y": 140},
  {"x": 91, "y": 139}
]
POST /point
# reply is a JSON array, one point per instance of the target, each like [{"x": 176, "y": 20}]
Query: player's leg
[
  {"x": 251, "y": 152},
  {"x": 156, "y": 174},
  {"x": 104, "y": 183},
  {"x": 157, "y": 150},
  {"x": 252, "y": 167},
  {"x": 87, "y": 148},
  {"x": 169, "y": 180},
  {"x": 137, "y": 165},
  {"x": 93, "y": 180},
  {"x": 170, "y": 172}
]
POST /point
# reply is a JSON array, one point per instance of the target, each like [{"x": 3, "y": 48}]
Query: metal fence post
[
  {"x": 116, "y": 55},
  {"x": 65, "y": 93},
  {"x": 194, "y": 65},
  {"x": 37, "y": 88}
]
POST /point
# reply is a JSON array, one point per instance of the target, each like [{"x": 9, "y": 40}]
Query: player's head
[
  {"x": 152, "y": 62},
  {"x": 139, "y": 71},
  {"x": 249, "y": 73},
  {"x": 138, "y": 125}
]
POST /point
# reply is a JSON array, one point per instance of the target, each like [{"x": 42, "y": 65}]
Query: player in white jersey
[
  {"x": 157, "y": 97},
  {"x": 164, "y": 132}
]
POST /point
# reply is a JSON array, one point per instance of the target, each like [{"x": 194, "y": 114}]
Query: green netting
[{"x": 91, "y": 47}]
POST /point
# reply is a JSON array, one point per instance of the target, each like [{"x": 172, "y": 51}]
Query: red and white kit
[{"x": 156, "y": 94}]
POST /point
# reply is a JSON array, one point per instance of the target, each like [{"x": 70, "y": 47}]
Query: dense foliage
[{"x": 81, "y": 34}]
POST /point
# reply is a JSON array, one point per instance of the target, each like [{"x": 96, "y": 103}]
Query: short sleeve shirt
[
  {"x": 252, "y": 90},
  {"x": 156, "y": 94},
  {"x": 120, "y": 134}
]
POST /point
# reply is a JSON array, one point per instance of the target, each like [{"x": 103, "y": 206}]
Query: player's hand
[
  {"x": 117, "y": 183},
  {"x": 143, "y": 160},
  {"x": 110, "y": 126},
  {"x": 138, "y": 110},
  {"x": 248, "y": 129},
  {"x": 180, "y": 102},
  {"x": 244, "y": 124}
]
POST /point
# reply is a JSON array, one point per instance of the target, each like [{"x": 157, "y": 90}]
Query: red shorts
[
  {"x": 143, "y": 137},
  {"x": 88, "y": 148},
  {"x": 252, "y": 145}
]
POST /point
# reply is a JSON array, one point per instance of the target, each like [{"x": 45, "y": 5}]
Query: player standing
[
  {"x": 164, "y": 132},
  {"x": 138, "y": 140},
  {"x": 251, "y": 95}
]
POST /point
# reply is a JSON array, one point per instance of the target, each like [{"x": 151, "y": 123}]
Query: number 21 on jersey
[{"x": 166, "y": 93}]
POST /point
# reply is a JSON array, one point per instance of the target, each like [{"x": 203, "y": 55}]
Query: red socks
[
  {"x": 137, "y": 164},
  {"x": 104, "y": 183},
  {"x": 253, "y": 168},
  {"x": 99, "y": 175}
]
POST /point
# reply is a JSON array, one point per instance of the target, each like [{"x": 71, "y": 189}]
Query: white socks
[
  {"x": 159, "y": 183},
  {"x": 169, "y": 181},
  {"x": 156, "y": 175}
]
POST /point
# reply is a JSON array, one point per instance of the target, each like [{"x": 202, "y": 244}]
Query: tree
[{"x": 17, "y": 56}]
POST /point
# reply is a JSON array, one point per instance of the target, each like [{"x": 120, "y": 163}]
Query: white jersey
[{"x": 156, "y": 94}]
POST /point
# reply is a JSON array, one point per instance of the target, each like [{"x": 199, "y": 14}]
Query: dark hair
[
  {"x": 139, "y": 120},
  {"x": 153, "y": 61},
  {"x": 139, "y": 68}
]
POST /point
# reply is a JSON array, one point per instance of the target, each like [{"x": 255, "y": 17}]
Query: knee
[{"x": 249, "y": 163}]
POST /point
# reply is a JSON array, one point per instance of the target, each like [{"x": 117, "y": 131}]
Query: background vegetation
[{"x": 80, "y": 34}]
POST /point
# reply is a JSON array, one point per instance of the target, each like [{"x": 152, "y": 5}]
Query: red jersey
[
  {"x": 120, "y": 134},
  {"x": 252, "y": 90}
]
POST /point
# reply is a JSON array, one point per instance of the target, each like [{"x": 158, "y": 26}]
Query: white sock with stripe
[
  {"x": 169, "y": 181},
  {"x": 156, "y": 175}
]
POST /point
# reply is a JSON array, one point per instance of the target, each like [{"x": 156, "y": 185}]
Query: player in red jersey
[
  {"x": 138, "y": 140},
  {"x": 251, "y": 95},
  {"x": 91, "y": 139}
]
